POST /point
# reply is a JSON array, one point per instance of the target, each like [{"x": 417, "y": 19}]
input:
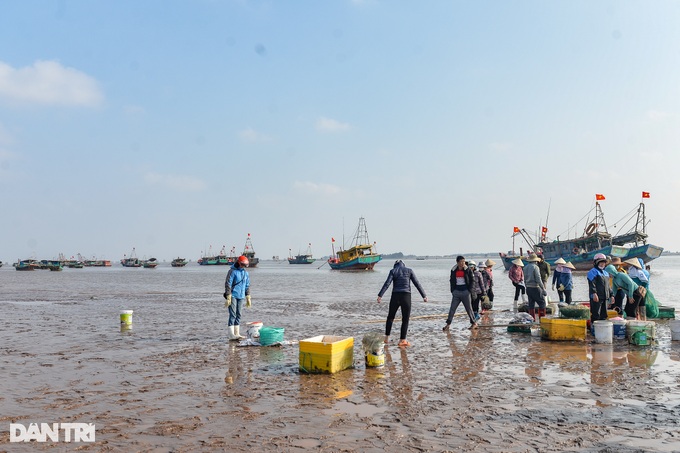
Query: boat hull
[
  {"x": 301, "y": 260},
  {"x": 356, "y": 264},
  {"x": 584, "y": 261}
]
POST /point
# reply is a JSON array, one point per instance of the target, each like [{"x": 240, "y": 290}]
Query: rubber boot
[
  {"x": 541, "y": 312},
  {"x": 231, "y": 335},
  {"x": 514, "y": 306},
  {"x": 524, "y": 298},
  {"x": 237, "y": 333},
  {"x": 532, "y": 313}
]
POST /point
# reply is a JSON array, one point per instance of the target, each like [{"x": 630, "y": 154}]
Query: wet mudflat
[{"x": 174, "y": 383}]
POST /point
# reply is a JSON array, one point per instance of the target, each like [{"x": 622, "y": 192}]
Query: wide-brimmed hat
[
  {"x": 633, "y": 262},
  {"x": 533, "y": 258},
  {"x": 616, "y": 260},
  {"x": 490, "y": 262},
  {"x": 481, "y": 265},
  {"x": 472, "y": 263},
  {"x": 570, "y": 266},
  {"x": 518, "y": 262},
  {"x": 560, "y": 260}
]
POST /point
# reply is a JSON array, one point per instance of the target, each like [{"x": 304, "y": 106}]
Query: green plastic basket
[
  {"x": 271, "y": 335},
  {"x": 575, "y": 312}
]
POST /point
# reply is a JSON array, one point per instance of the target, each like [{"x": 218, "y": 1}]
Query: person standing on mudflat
[
  {"x": 461, "y": 281},
  {"x": 401, "y": 277},
  {"x": 237, "y": 287}
]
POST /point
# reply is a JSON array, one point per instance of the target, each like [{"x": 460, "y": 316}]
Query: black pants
[
  {"x": 598, "y": 310},
  {"x": 618, "y": 300},
  {"x": 567, "y": 296},
  {"x": 535, "y": 298},
  {"x": 490, "y": 294},
  {"x": 631, "y": 307},
  {"x": 518, "y": 288},
  {"x": 397, "y": 301},
  {"x": 476, "y": 300}
]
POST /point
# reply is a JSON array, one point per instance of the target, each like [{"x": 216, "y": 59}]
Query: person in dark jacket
[
  {"x": 598, "y": 288},
  {"x": 400, "y": 277},
  {"x": 461, "y": 281}
]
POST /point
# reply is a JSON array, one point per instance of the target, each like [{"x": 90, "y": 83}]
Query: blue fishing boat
[
  {"x": 305, "y": 258},
  {"x": 595, "y": 239},
  {"x": 360, "y": 256}
]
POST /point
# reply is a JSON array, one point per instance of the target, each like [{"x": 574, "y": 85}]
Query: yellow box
[
  {"x": 326, "y": 354},
  {"x": 612, "y": 314},
  {"x": 560, "y": 329}
]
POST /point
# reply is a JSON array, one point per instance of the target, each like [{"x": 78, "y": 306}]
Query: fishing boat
[
  {"x": 305, "y": 258},
  {"x": 94, "y": 262},
  {"x": 249, "y": 252},
  {"x": 151, "y": 263},
  {"x": 131, "y": 261},
  {"x": 360, "y": 256},
  {"x": 26, "y": 265},
  {"x": 221, "y": 259},
  {"x": 178, "y": 262},
  {"x": 595, "y": 239}
]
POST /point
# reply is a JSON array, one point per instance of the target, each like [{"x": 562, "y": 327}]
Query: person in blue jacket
[
  {"x": 401, "y": 277},
  {"x": 598, "y": 288},
  {"x": 237, "y": 287}
]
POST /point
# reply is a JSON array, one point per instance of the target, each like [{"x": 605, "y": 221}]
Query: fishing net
[
  {"x": 652, "y": 305},
  {"x": 373, "y": 343},
  {"x": 575, "y": 312}
]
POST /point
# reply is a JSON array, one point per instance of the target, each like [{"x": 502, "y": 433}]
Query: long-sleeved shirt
[{"x": 402, "y": 277}]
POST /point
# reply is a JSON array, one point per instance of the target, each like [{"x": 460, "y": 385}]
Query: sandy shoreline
[{"x": 484, "y": 390}]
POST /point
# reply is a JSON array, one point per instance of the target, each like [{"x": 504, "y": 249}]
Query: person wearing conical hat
[
  {"x": 559, "y": 267},
  {"x": 566, "y": 281},
  {"x": 487, "y": 273},
  {"x": 516, "y": 276},
  {"x": 598, "y": 288},
  {"x": 635, "y": 293},
  {"x": 619, "y": 293},
  {"x": 535, "y": 289}
]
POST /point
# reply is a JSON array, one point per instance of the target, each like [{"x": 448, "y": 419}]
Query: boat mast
[{"x": 641, "y": 220}]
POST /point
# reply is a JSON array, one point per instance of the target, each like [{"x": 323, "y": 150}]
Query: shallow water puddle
[{"x": 362, "y": 410}]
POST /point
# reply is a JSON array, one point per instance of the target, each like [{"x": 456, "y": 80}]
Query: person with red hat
[{"x": 236, "y": 292}]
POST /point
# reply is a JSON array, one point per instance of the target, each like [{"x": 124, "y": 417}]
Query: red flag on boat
[
  {"x": 599, "y": 196},
  {"x": 515, "y": 230},
  {"x": 544, "y": 229},
  {"x": 645, "y": 194},
  {"x": 332, "y": 239}
]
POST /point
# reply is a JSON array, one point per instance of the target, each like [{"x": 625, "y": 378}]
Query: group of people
[
  {"x": 609, "y": 283},
  {"x": 471, "y": 284}
]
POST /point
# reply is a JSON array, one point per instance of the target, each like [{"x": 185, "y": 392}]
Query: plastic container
[
  {"x": 604, "y": 331},
  {"x": 675, "y": 330},
  {"x": 375, "y": 360},
  {"x": 271, "y": 335},
  {"x": 126, "y": 316},
  {"x": 559, "y": 329},
  {"x": 619, "y": 328},
  {"x": 253, "y": 330},
  {"x": 326, "y": 353},
  {"x": 641, "y": 333}
]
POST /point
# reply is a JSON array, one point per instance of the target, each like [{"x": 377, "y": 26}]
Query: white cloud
[
  {"x": 312, "y": 187},
  {"x": 48, "y": 82},
  {"x": 501, "y": 147},
  {"x": 330, "y": 125},
  {"x": 250, "y": 135},
  {"x": 657, "y": 115},
  {"x": 177, "y": 182}
]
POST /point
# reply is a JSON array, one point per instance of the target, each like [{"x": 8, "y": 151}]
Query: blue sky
[{"x": 173, "y": 126}]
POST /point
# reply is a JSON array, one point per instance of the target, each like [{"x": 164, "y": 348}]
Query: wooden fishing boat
[
  {"x": 360, "y": 256},
  {"x": 151, "y": 263},
  {"x": 595, "y": 239},
  {"x": 26, "y": 265},
  {"x": 305, "y": 258},
  {"x": 249, "y": 252},
  {"x": 220, "y": 259},
  {"x": 178, "y": 262},
  {"x": 131, "y": 261}
]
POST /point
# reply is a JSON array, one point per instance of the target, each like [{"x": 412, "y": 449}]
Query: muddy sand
[{"x": 174, "y": 383}]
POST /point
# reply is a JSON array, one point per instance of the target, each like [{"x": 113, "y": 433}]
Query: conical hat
[
  {"x": 569, "y": 265},
  {"x": 560, "y": 260},
  {"x": 633, "y": 262},
  {"x": 518, "y": 262},
  {"x": 533, "y": 257},
  {"x": 490, "y": 262}
]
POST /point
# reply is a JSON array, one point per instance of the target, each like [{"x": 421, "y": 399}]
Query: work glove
[
  {"x": 228, "y": 301},
  {"x": 248, "y": 303}
]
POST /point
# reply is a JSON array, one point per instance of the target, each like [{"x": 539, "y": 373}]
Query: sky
[{"x": 178, "y": 127}]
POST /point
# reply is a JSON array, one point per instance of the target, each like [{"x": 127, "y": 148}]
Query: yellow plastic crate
[
  {"x": 326, "y": 354},
  {"x": 560, "y": 329}
]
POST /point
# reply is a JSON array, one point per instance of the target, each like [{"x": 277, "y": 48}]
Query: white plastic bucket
[
  {"x": 604, "y": 331},
  {"x": 619, "y": 328},
  {"x": 253, "y": 329},
  {"x": 126, "y": 316},
  {"x": 675, "y": 330}
]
